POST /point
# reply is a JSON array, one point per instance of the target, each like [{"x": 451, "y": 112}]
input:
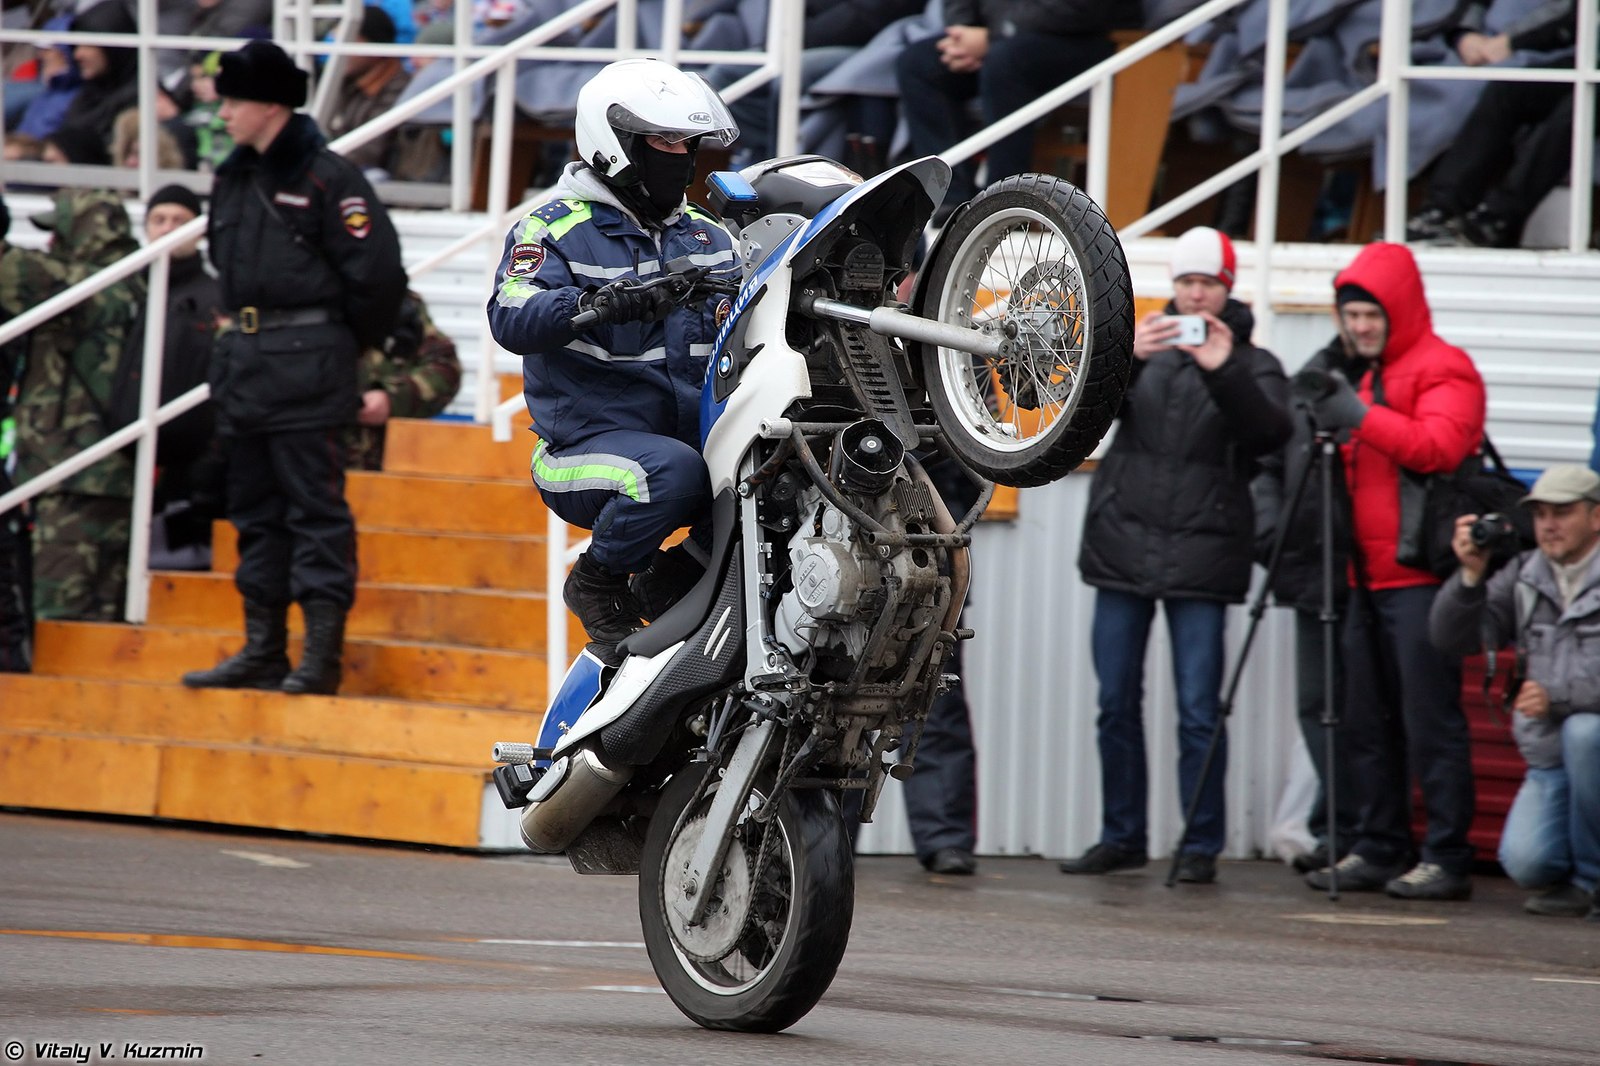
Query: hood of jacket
[
  {"x": 1390, "y": 273},
  {"x": 111, "y": 16},
  {"x": 90, "y": 228},
  {"x": 579, "y": 181}
]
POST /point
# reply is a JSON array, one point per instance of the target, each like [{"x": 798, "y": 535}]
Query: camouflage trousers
[{"x": 80, "y": 556}]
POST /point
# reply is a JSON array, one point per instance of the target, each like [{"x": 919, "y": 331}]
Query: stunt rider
[{"x": 617, "y": 405}]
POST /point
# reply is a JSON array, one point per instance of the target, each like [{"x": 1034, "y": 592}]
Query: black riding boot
[
  {"x": 263, "y": 660},
  {"x": 668, "y": 579},
  {"x": 319, "y": 671},
  {"x": 602, "y": 601}
]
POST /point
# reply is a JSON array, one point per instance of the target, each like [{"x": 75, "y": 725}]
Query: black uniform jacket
[
  {"x": 298, "y": 229},
  {"x": 1170, "y": 513}
]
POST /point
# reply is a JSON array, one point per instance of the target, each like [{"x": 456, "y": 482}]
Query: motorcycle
[{"x": 722, "y": 757}]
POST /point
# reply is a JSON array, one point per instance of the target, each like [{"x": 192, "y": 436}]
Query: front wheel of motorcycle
[
  {"x": 1031, "y": 260},
  {"x": 770, "y": 941}
]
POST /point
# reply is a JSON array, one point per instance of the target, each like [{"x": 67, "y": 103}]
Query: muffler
[{"x": 567, "y": 798}]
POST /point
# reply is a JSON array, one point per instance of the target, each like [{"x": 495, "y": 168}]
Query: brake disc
[{"x": 718, "y": 931}]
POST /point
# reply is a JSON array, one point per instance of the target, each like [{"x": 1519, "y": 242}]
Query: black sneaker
[
  {"x": 1433, "y": 225},
  {"x": 668, "y": 579},
  {"x": 957, "y": 862},
  {"x": 602, "y": 601},
  {"x": 1355, "y": 875},
  {"x": 1197, "y": 869},
  {"x": 1562, "y": 901},
  {"x": 1307, "y": 861},
  {"x": 1488, "y": 228},
  {"x": 1103, "y": 859},
  {"x": 1429, "y": 880}
]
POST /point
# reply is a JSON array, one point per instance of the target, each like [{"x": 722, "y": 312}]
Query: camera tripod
[{"x": 1327, "y": 453}]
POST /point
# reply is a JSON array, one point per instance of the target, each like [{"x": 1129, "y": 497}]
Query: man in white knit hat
[{"x": 1171, "y": 521}]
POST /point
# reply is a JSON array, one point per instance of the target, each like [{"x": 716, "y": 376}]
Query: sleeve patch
[
  {"x": 526, "y": 259},
  {"x": 357, "y": 218}
]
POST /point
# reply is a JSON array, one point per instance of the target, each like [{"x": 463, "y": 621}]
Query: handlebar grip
[{"x": 585, "y": 319}]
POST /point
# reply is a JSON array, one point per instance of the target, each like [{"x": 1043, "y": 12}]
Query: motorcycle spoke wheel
[
  {"x": 1034, "y": 261},
  {"x": 774, "y": 929}
]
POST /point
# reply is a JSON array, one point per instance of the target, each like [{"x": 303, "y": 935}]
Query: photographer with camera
[
  {"x": 1546, "y": 603},
  {"x": 1417, "y": 404}
]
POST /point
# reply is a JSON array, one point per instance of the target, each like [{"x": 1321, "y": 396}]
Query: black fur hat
[{"x": 264, "y": 72}]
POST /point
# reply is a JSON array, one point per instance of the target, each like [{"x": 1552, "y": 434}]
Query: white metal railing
[{"x": 781, "y": 54}]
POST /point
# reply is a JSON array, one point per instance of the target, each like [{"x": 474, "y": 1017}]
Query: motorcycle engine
[{"x": 840, "y": 589}]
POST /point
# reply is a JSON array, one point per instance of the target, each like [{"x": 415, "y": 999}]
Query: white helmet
[{"x": 645, "y": 97}]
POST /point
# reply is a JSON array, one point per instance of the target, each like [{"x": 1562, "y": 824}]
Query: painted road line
[
  {"x": 563, "y": 943},
  {"x": 264, "y": 859},
  {"x": 1567, "y": 980},
  {"x": 1365, "y": 919},
  {"x": 646, "y": 989}
]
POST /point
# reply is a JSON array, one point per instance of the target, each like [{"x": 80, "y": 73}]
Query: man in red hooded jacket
[{"x": 1416, "y": 403}]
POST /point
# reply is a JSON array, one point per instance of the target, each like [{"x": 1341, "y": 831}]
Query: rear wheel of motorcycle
[
  {"x": 764, "y": 954},
  {"x": 1034, "y": 260}
]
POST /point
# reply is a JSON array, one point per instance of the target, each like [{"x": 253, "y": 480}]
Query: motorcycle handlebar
[{"x": 684, "y": 285}]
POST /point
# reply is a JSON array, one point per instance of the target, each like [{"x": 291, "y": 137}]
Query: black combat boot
[
  {"x": 669, "y": 578},
  {"x": 261, "y": 663},
  {"x": 602, "y": 601},
  {"x": 319, "y": 671}
]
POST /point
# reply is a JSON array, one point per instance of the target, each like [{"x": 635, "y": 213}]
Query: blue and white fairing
[{"x": 895, "y": 205}]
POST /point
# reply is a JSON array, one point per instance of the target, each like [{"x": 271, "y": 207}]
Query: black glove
[
  {"x": 625, "y": 301},
  {"x": 1332, "y": 399}
]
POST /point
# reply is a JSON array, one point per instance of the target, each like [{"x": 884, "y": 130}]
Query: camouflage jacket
[
  {"x": 419, "y": 370},
  {"x": 65, "y": 382}
]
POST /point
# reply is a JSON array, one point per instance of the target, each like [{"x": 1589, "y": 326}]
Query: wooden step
[
  {"x": 404, "y": 670},
  {"x": 436, "y": 560},
  {"x": 478, "y": 618},
  {"x": 457, "y": 449},
  {"x": 244, "y": 786},
  {"x": 396, "y": 730},
  {"x": 427, "y": 504}
]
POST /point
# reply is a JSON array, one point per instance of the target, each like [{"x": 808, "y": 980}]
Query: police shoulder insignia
[
  {"x": 703, "y": 237},
  {"x": 357, "y": 218},
  {"x": 553, "y": 210},
  {"x": 526, "y": 259}
]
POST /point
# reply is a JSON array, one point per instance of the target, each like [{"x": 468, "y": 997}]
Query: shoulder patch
[
  {"x": 551, "y": 211},
  {"x": 357, "y": 218},
  {"x": 703, "y": 237},
  {"x": 526, "y": 259}
]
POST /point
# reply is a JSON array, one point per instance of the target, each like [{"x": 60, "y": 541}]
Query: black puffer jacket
[
  {"x": 299, "y": 228},
  {"x": 1297, "y": 582},
  {"x": 1007, "y": 18},
  {"x": 100, "y": 100},
  {"x": 1170, "y": 513}
]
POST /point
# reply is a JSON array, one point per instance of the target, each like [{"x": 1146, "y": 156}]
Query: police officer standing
[{"x": 310, "y": 270}]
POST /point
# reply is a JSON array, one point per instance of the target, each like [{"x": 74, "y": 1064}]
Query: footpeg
[{"x": 515, "y": 778}]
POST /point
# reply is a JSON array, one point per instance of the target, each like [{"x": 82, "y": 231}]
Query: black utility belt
[{"x": 256, "y": 319}]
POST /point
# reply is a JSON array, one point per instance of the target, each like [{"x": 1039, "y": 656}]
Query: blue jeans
[
  {"x": 1552, "y": 835},
  {"x": 1120, "y": 632}
]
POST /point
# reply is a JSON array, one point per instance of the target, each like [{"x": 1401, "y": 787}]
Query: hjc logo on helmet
[{"x": 701, "y": 117}]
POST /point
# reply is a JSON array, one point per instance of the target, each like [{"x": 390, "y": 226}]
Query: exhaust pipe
[{"x": 567, "y": 798}]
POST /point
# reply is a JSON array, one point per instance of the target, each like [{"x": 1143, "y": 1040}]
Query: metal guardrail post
[
  {"x": 1394, "y": 55},
  {"x": 1271, "y": 162},
  {"x": 462, "y": 135},
  {"x": 137, "y": 603},
  {"x": 1581, "y": 220},
  {"x": 147, "y": 73},
  {"x": 1098, "y": 164},
  {"x": 788, "y": 59}
]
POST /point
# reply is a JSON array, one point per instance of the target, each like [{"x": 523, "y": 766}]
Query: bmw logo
[{"x": 725, "y": 364}]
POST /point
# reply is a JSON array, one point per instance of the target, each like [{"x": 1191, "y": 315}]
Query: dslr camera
[{"x": 1494, "y": 533}]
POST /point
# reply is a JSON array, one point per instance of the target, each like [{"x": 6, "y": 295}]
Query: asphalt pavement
[{"x": 124, "y": 941}]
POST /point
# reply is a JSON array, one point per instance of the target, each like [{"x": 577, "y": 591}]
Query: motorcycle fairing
[
  {"x": 778, "y": 375},
  {"x": 633, "y": 677},
  {"x": 578, "y": 690}
]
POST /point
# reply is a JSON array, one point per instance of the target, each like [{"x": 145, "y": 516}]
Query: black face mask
[{"x": 663, "y": 176}]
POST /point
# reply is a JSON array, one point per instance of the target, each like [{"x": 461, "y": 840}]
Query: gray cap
[{"x": 1565, "y": 484}]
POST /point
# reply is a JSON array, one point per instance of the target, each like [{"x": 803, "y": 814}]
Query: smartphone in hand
[{"x": 1191, "y": 330}]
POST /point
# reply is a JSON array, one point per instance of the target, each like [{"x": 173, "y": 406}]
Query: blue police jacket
[{"x": 636, "y": 376}]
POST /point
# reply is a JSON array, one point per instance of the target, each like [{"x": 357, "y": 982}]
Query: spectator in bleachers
[
  {"x": 1546, "y": 602},
  {"x": 833, "y": 31},
  {"x": 59, "y": 84},
  {"x": 1005, "y": 54},
  {"x": 125, "y": 143},
  {"x": 1416, "y": 404},
  {"x": 370, "y": 88},
  {"x": 1516, "y": 147},
  {"x": 16, "y": 598},
  {"x": 76, "y": 146},
  {"x": 414, "y": 375},
  {"x": 81, "y": 526},
  {"x": 110, "y": 85},
  {"x": 228, "y": 18},
  {"x": 212, "y": 142}
]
